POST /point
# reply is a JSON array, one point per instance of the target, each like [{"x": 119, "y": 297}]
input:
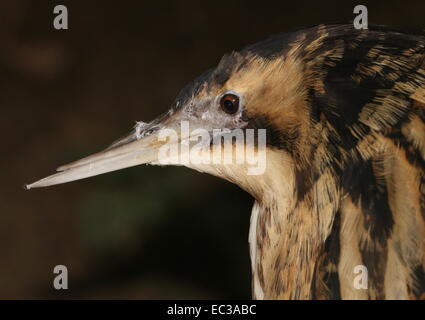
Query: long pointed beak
[{"x": 128, "y": 152}]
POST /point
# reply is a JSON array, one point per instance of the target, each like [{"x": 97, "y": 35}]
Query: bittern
[{"x": 344, "y": 181}]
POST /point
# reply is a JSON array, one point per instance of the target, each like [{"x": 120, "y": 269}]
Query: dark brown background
[{"x": 145, "y": 232}]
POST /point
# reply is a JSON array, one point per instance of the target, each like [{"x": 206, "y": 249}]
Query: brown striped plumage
[
  {"x": 344, "y": 184},
  {"x": 348, "y": 111}
]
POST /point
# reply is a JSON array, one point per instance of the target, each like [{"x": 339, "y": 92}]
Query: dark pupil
[{"x": 228, "y": 104}]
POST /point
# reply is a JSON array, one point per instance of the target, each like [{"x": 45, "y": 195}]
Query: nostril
[
  {"x": 140, "y": 130},
  {"x": 149, "y": 131}
]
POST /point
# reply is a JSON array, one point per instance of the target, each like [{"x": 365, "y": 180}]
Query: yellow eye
[{"x": 229, "y": 103}]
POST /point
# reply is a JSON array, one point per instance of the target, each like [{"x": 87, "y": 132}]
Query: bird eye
[{"x": 229, "y": 103}]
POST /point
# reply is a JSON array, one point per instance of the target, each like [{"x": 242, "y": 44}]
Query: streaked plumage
[{"x": 344, "y": 111}]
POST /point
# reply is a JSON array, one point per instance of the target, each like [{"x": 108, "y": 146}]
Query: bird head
[{"x": 228, "y": 122}]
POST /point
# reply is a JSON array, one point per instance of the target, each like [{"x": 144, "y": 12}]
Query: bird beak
[{"x": 140, "y": 147}]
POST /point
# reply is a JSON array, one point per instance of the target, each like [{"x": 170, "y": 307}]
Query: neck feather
[{"x": 288, "y": 233}]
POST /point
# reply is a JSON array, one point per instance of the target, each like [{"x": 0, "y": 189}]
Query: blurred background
[{"x": 145, "y": 232}]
